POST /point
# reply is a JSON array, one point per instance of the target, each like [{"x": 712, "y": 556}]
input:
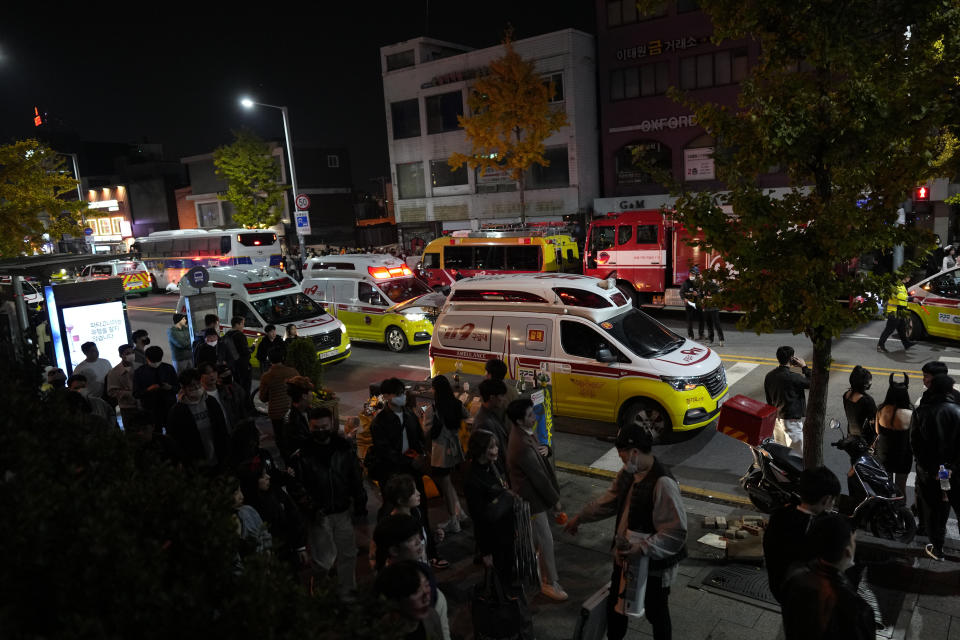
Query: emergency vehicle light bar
[
  {"x": 268, "y": 285},
  {"x": 389, "y": 272},
  {"x": 496, "y": 296}
]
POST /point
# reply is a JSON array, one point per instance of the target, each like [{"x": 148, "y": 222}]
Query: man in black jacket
[
  {"x": 785, "y": 540},
  {"x": 645, "y": 499},
  {"x": 329, "y": 489},
  {"x": 935, "y": 440},
  {"x": 238, "y": 351},
  {"x": 692, "y": 296},
  {"x": 785, "y": 390},
  {"x": 819, "y": 603},
  {"x": 155, "y": 386},
  {"x": 197, "y": 425}
]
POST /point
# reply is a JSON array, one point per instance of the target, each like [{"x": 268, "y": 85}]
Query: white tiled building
[{"x": 426, "y": 84}]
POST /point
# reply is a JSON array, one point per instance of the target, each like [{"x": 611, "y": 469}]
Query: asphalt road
[{"x": 709, "y": 460}]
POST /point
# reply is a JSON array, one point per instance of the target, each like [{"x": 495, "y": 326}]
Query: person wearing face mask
[
  {"x": 140, "y": 341},
  {"x": 328, "y": 487},
  {"x": 156, "y": 386},
  {"x": 120, "y": 382},
  {"x": 197, "y": 425},
  {"x": 819, "y": 601},
  {"x": 534, "y": 480},
  {"x": 785, "y": 540},
  {"x": 212, "y": 350},
  {"x": 645, "y": 499},
  {"x": 398, "y": 443}
]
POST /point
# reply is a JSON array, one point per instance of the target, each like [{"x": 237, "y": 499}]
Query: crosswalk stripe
[
  {"x": 949, "y": 359},
  {"x": 739, "y": 370}
]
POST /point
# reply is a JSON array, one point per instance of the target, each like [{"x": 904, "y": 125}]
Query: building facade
[{"x": 426, "y": 85}]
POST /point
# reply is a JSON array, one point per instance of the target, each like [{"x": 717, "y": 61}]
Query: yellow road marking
[{"x": 129, "y": 307}]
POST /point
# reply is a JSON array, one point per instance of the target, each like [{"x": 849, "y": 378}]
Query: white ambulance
[
  {"x": 377, "y": 297},
  {"x": 607, "y": 360},
  {"x": 265, "y": 295}
]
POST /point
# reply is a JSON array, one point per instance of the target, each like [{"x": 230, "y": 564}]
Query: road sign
[
  {"x": 303, "y": 202},
  {"x": 87, "y": 231},
  {"x": 303, "y": 223},
  {"x": 198, "y": 277}
]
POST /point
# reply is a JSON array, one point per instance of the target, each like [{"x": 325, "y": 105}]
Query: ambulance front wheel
[
  {"x": 650, "y": 416},
  {"x": 396, "y": 340}
]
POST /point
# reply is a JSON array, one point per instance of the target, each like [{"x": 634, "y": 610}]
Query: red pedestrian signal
[{"x": 921, "y": 194}]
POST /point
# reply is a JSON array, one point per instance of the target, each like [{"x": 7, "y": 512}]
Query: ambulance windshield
[
  {"x": 642, "y": 334},
  {"x": 402, "y": 289},
  {"x": 287, "y": 308}
]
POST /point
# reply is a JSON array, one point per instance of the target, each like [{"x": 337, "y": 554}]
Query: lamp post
[{"x": 249, "y": 104}]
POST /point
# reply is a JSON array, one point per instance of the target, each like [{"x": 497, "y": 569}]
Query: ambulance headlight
[
  {"x": 679, "y": 383},
  {"x": 414, "y": 317}
]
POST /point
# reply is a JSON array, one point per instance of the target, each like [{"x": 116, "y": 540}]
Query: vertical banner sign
[{"x": 544, "y": 411}]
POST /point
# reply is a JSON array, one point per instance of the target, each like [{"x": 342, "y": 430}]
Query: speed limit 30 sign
[{"x": 303, "y": 202}]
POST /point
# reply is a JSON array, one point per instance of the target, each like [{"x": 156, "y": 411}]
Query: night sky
[{"x": 174, "y": 74}]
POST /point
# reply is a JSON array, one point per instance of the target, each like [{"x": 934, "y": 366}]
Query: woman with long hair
[
  {"x": 447, "y": 454},
  {"x": 893, "y": 424},
  {"x": 860, "y": 407},
  {"x": 491, "y": 503}
]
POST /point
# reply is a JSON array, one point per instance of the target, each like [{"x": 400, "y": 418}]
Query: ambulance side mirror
[{"x": 605, "y": 355}]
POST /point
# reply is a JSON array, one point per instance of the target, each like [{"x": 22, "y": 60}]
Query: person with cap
[
  {"x": 692, "y": 296},
  {"x": 935, "y": 440},
  {"x": 156, "y": 386},
  {"x": 140, "y": 341},
  {"x": 650, "y": 521},
  {"x": 120, "y": 383},
  {"x": 94, "y": 369},
  {"x": 55, "y": 379},
  {"x": 785, "y": 540},
  {"x": 178, "y": 336}
]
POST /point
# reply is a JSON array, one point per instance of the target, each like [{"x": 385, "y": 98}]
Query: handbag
[
  {"x": 496, "y": 616},
  {"x": 446, "y": 451}
]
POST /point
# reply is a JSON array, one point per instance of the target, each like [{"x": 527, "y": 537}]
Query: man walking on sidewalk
[
  {"x": 645, "y": 498},
  {"x": 785, "y": 390}
]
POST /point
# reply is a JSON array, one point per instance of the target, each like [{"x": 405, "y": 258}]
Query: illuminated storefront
[{"x": 108, "y": 218}]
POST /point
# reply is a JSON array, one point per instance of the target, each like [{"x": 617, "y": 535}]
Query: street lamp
[{"x": 248, "y": 103}]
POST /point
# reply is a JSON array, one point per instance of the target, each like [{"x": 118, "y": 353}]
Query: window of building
[
  {"x": 713, "y": 69},
  {"x": 410, "y": 180},
  {"x": 635, "y": 160},
  {"x": 494, "y": 181},
  {"x": 557, "y": 174},
  {"x": 208, "y": 215},
  {"x": 625, "y": 12},
  {"x": 557, "y": 80},
  {"x": 406, "y": 119},
  {"x": 400, "y": 60},
  {"x": 442, "y": 111},
  {"x": 333, "y": 162},
  {"x": 441, "y": 175},
  {"x": 644, "y": 80}
]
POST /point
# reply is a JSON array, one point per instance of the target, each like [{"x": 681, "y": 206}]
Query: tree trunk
[
  {"x": 523, "y": 201},
  {"x": 813, "y": 425}
]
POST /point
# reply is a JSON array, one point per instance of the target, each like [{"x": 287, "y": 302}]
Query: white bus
[{"x": 170, "y": 254}]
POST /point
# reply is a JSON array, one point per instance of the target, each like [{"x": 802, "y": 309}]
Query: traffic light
[{"x": 921, "y": 194}]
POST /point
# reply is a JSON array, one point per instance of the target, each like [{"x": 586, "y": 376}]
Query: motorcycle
[
  {"x": 879, "y": 503},
  {"x": 773, "y": 480}
]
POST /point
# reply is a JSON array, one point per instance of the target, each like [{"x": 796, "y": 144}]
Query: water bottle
[{"x": 944, "y": 476}]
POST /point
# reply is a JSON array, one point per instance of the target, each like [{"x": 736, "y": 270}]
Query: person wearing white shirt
[{"x": 94, "y": 369}]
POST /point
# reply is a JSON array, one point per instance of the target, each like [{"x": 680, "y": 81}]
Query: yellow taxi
[
  {"x": 935, "y": 309},
  {"x": 377, "y": 297},
  {"x": 136, "y": 278}
]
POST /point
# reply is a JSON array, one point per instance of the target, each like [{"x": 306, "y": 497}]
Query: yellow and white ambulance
[
  {"x": 607, "y": 360},
  {"x": 136, "y": 278},
  {"x": 264, "y": 295},
  {"x": 377, "y": 297},
  {"x": 935, "y": 306}
]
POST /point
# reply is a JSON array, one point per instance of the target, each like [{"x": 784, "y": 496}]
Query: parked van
[
  {"x": 136, "y": 278},
  {"x": 467, "y": 254},
  {"x": 606, "y": 359},
  {"x": 265, "y": 296},
  {"x": 377, "y": 297}
]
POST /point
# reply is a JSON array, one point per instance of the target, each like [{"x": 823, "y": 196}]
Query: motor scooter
[
  {"x": 773, "y": 480},
  {"x": 876, "y": 500}
]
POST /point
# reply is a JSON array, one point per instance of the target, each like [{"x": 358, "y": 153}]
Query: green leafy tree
[
  {"x": 510, "y": 118},
  {"x": 104, "y": 540},
  {"x": 253, "y": 180},
  {"x": 32, "y": 189},
  {"x": 848, "y": 98}
]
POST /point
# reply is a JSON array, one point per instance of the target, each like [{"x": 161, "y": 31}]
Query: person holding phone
[{"x": 784, "y": 390}]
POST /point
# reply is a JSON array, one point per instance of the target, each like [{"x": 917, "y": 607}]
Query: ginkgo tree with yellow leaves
[
  {"x": 33, "y": 184},
  {"x": 510, "y": 117}
]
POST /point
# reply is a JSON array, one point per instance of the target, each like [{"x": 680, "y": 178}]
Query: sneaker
[
  {"x": 881, "y": 348},
  {"x": 934, "y": 552},
  {"x": 720, "y": 344},
  {"x": 554, "y": 592}
]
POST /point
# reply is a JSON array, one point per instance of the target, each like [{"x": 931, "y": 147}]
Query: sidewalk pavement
[{"x": 915, "y": 597}]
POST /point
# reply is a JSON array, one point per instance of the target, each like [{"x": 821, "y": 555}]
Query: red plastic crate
[{"x": 746, "y": 419}]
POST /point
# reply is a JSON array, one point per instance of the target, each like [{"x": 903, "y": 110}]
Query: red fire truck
[{"x": 646, "y": 252}]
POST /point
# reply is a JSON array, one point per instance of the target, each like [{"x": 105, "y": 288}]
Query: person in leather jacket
[
  {"x": 328, "y": 487},
  {"x": 935, "y": 440}
]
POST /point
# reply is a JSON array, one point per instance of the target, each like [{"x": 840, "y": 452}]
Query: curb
[{"x": 693, "y": 492}]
